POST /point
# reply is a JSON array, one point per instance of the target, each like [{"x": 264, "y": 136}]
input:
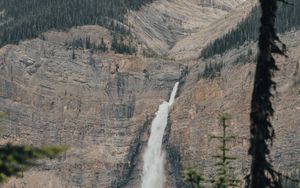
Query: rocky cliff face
[
  {"x": 195, "y": 115},
  {"x": 101, "y": 104},
  {"x": 98, "y": 104}
]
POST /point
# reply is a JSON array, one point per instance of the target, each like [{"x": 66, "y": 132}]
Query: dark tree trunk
[{"x": 261, "y": 129}]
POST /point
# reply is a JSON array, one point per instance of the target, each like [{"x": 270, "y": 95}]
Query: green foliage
[
  {"x": 293, "y": 180},
  {"x": 2, "y": 114},
  {"x": 77, "y": 43},
  {"x": 223, "y": 118},
  {"x": 120, "y": 46},
  {"x": 223, "y": 178},
  {"x": 16, "y": 159},
  {"x": 211, "y": 70},
  {"x": 248, "y": 29},
  {"x": 102, "y": 46},
  {"x": 150, "y": 53},
  {"x": 25, "y": 19},
  {"x": 193, "y": 177},
  {"x": 245, "y": 58},
  {"x": 87, "y": 44}
]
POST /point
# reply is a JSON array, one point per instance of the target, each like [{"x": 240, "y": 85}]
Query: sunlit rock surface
[{"x": 98, "y": 104}]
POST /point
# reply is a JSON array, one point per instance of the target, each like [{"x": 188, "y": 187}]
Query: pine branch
[{"x": 16, "y": 159}]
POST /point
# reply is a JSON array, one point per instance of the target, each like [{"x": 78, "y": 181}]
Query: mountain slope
[
  {"x": 101, "y": 103},
  {"x": 247, "y": 30},
  {"x": 195, "y": 114},
  {"x": 190, "y": 47},
  {"x": 27, "y": 19},
  {"x": 162, "y": 24}
]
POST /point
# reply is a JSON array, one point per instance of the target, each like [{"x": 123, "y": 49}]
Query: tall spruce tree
[
  {"x": 262, "y": 132},
  {"x": 102, "y": 46},
  {"x": 223, "y": 178}
]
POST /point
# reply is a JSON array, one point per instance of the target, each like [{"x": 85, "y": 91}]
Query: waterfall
[{"x": 153, "y": 169}]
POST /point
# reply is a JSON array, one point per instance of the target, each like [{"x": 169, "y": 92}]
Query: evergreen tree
[
  {"x": 102, "y": 46},
  {"x": 14, "y": 160},
  {"x": 119, "y": 46},
  {"x": 88, "y": 43},
  {"x": 73, "y": 54},
  {"x": 262, "y": 174},
  {"x": 211, "y": 70},
  {"x": 194, "y": 178},
  {"x": 223, "y": 179},
  {"x": 114, "y": 44}
]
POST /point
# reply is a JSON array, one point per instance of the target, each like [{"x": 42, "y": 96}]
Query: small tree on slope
[{"x": 223, "y": 179}]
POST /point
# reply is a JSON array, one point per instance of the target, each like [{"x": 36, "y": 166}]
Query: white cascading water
[{"x": 153, "y": 170}]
